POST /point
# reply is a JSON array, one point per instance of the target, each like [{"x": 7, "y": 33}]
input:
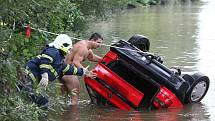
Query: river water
[{"x": 183, "y": 35}]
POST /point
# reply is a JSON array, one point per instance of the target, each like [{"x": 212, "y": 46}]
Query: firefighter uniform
[{"x": 50, "y": 61}]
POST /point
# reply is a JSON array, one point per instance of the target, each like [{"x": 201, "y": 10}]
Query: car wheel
[
  {"x": 198, "y": 88},
  {"x": 140, "y": 41}
]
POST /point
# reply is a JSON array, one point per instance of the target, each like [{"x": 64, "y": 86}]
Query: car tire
[
  {"x": 198, "y": 88},
  {"x": 140, "y": 41}
]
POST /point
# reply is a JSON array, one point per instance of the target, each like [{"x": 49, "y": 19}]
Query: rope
[
  {"x": 14, "y": 24},
  {"x": 40, "y": 30},
  {"x": 139, "y": 51}
]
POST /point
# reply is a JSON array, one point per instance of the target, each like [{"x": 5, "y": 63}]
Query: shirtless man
[{"x": 81, "y": 51}]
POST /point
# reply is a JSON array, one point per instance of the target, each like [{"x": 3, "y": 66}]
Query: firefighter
[{"x": 47, "y": 67}]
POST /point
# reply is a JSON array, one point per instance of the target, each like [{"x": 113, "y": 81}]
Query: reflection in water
[
  {"x": 206, "y": 41},
  {"x": 71, "y": 114},
  {"x": 196, "y": 111},
  {"x": 183, "y": 35},
  {"x": 94, "y": 113}
]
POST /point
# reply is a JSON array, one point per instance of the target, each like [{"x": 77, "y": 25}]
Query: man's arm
[
  {"x": 78, "y": 58},
  {"x": 93, "y": 57}
]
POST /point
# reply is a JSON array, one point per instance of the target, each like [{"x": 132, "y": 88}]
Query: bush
[
  {"x": 14, "y": 108},
  {"x": 15, "y": 49}
]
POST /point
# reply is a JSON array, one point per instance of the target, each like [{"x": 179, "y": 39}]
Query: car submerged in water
[{"x": 129, "y": 77}]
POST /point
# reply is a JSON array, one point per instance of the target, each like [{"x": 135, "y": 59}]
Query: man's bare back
[{"x": 78, "y": 53}]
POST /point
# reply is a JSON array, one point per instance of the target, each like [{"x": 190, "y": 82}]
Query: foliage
[
  {"x": 56, "y": 16},
  {"x": 15, "y": 49},
  {"x": 14, "y": 108},
  {"x": 7, "y": 69}
]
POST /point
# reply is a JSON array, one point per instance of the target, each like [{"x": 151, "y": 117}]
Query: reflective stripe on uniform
[
  {"x": 66, "y": 69},
  {"x": 31, "y": 75},
  {"x": 45, "y": 56},
  {"x": 75, "y": 70},
  {"x": 50, "y": 68},
  {"x": 39, "y": 56}
]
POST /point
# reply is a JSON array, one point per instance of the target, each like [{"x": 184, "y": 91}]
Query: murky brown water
[{"x": 183, "y": 35}]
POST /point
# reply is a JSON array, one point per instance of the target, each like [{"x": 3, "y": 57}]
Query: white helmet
[{"x": 62, "y": 42}]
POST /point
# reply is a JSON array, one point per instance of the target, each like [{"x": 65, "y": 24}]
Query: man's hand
[
  {"x": 44, "y": 81},
  {"x": 91, "y": 74}
]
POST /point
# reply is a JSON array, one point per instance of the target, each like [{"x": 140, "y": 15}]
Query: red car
[{"x": 128, "y": 77}]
